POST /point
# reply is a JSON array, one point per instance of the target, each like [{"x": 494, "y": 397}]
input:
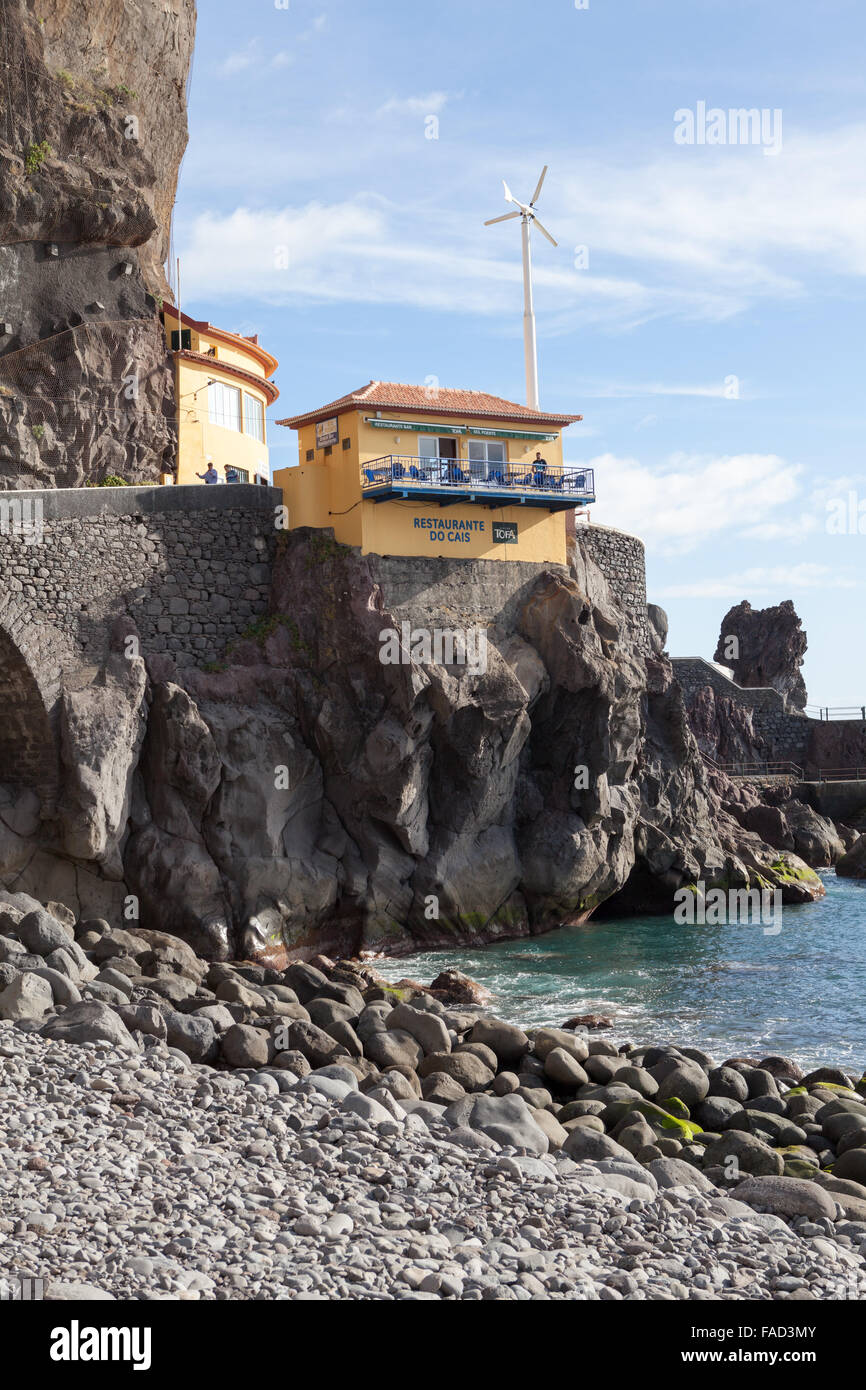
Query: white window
[
  {"x": 487, "y": 456},
  {"x": 224, "y": 405},
  {"x": 434, "y": 446},
  {"x": 254, "y": 418}
]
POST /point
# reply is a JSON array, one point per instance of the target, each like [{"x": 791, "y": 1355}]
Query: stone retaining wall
[
  {"x": 622, "y": 560},
  {"x": 786, "y": 734},
  {"x": 190, "y": 565}
]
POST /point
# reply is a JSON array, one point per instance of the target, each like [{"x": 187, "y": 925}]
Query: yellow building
[
  {"x": 223, "y": 390},
  {"x": 412, "y": 470}
]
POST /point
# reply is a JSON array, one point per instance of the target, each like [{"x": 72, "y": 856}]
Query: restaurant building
[{"x": 416, "y": 470}]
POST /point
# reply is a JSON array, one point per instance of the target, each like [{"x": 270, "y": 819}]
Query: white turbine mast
[{"x": 527, "y": 214}]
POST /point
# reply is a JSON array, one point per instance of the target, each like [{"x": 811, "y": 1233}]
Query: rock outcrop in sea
[{"x": 765, "y": 647}]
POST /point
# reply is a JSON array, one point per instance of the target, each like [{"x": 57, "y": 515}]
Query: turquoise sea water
[{"x": 731, "y": 990}]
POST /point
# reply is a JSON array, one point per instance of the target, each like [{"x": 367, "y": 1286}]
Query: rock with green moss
[{"x": 661, "y": 1121}]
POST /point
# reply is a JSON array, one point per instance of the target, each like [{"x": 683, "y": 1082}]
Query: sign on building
[
  {"x": 505, "y": 532},
  {"x": 327, "y": 432}
]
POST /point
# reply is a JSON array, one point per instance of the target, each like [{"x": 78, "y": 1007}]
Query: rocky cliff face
[
  {"x": 308, "y": 797},
  {"x": 768, "y": 647},
  {"x": 92, "y": 129}
]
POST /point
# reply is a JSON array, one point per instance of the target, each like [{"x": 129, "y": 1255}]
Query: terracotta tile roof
[
  {"x": 267, "y": 388},
  {"x": 394, "y": 395}
]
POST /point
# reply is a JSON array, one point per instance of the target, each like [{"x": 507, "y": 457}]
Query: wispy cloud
[
  {"x": 693, "y": 500},
  {"x": 241, "y": 59},
  {"x": 761, "y": 582},
  {"x": 368, "y": 250},
  {"x": 428, "y": 105},
  {"x": 719, "y": 390}
]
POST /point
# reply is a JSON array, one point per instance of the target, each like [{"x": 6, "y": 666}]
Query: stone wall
[
  {"x": 780, "y": 734},
  {"x": 622, "y": 561},
  {"x": 190, "y": 565}
]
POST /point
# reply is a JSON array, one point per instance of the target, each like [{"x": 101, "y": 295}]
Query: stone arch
[{"x": 32, "y": 659}]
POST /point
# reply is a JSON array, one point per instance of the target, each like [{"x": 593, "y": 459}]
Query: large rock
[
  {"x": 27, "y": 997},
  {"x": 768, "y": 648},
  {"x": 686, "y": 1082},
  {"x": 675, "y": 1172},
  {"x": 317, "y": 1046},
  {"x": 786, "y": 1197},
  {"x": 41, "y": 933},
  {"x": 89, "y": 1022},
  {"x": 171, "y": 953},
  {"x": 508, "y": 1042},
  {"x": 193, "y": 1035},
  {"x": 563, "y": 1069},
  {"x": 506, "y": 1119},
  {"x": 469, "y": 1071},
  {"x": 853, "y": 864},
  {"x": 583, "y": 1143},
  {"x": 851, "y": 1165},
  {"x": 738, "y": 1151},
  {"x": 243, "y": 1046},
  {"x": 394, "y": 1047},
  {"x": 426, "y": 1028}
]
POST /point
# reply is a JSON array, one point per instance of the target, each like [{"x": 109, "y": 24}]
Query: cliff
[
  {"x": 92, "y": 130},
  {"x": 305, "y": 796}
]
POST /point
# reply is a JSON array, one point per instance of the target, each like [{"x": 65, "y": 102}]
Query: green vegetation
[
  {"x": 323, "y": 548},
  {"x": 35, "y": 155},
  {"x": 784, "y": 870},
  {"x": 38, "y": 431},
  {"x": 264, "y": 628}
]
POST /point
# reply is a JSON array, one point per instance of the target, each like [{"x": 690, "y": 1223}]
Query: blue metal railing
[{"x": 408, "y": 470}]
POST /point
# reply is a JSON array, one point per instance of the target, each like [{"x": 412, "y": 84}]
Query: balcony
[{"x": 447, "y": 481}]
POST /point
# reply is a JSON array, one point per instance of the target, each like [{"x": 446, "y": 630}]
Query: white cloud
[
  {"x": 693, "y": 500},
  {"x": 760, "y": 582},
  {"x": 318, "y": 26},
  {"x": 615, "y": 391},
  {"x": 363, "y": 250},
  {"x": 428, "y": 105},
  {"x": 695, "y": 235},
  {"x": 730, "y": 213},
  {"x": 241, "y": 59}
]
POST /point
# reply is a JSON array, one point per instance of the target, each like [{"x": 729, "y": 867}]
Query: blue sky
[{"x": 711, "y": 331}]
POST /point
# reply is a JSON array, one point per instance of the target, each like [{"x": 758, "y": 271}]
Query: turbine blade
[
  {"x": 545, "y": 232},
  {"x": 509, "y": 196},
  {"x": 506, "y": 217},
  {"x": 534, "y": 199}
]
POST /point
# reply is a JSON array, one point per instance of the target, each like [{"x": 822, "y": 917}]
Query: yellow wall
[
  {"x": 198, "y": 437},
  {"x": 327, "y": 492}
]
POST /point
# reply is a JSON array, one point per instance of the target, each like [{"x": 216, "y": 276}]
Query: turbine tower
[{"x": 527, "y": 214}]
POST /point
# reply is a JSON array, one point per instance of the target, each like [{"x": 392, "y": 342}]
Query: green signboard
[
  {"x": 510, "y": 434},
  {"x": 427, "y": 427},
  {"x": 505, "y": 532}
]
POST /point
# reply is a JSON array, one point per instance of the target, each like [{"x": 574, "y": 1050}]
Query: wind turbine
[{"x": 527, "y": 214}]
